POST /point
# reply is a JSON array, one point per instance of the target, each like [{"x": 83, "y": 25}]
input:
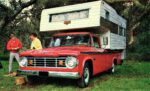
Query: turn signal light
[
  {"x": 61, "y": 63},
  {"x": 30, "y": 62}
]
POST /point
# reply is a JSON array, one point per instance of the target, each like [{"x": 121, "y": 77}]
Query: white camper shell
[{"x": 97, "y": 14}]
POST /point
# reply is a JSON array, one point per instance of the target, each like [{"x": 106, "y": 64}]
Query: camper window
[
  {"x": 106, "y": 14},
  {"x": 121, "y": 31},
  {"x": 124, "y": 32},
  {"x": 73, "y": 15},
  {"x": 108, "y": 25}
]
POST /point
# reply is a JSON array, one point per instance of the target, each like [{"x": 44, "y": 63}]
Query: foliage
[
  {"x": 8, "y": 19},
  {"x": 141, "y": 48}
]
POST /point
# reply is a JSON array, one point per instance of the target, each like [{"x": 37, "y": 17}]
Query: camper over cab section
[{"x": 88, "y": 39}]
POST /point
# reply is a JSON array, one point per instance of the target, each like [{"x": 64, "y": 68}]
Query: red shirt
[{"x": 14, "y": 43}]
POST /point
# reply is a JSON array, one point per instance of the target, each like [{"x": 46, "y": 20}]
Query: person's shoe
[
  {"x": 8, "y": 74},
  {"x": 11, "y": 74},
  {"x": 14, "y": 74}
]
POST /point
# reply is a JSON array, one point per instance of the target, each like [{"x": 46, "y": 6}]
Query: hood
[{"x": 55, "y": 51}]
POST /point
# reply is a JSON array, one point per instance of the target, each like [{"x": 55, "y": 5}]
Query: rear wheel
[
  {"x": 112, "y": 69},
  {"x": 85, "y": 79},
  {"x": 121, "y": 62}
]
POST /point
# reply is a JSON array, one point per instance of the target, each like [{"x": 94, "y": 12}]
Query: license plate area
[{"x": 44, "y": 74}]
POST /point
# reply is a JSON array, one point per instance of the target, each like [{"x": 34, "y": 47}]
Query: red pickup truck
[{"x": 74, "y": 55}]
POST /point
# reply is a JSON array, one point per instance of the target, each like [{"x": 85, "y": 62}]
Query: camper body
[{"x": 90, "y": 39}]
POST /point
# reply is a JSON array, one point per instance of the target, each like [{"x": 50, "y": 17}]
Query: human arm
[{"x": 9, "y": 46}]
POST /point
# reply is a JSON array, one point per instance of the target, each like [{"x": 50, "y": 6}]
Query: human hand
[{"x": 15, "y": 48}]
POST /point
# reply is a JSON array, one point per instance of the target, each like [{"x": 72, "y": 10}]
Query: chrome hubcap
[
  {"x": 86, "y": 75},
  {"x": 113, "y": 68}
]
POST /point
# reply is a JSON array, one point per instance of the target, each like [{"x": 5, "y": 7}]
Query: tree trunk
[
  {"x": 11, "y": 17},
  {"x": 131, "y": 30}
]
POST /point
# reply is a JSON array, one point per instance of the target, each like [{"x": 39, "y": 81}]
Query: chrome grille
[{"x": 46, "y": 62}]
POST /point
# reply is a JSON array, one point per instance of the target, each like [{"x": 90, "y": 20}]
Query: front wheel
[{"x": 85, "y": 79}]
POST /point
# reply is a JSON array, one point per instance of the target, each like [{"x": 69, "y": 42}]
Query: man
[
  {"x": 36, "y": 43},
  {"x": 13, "y": 45}
]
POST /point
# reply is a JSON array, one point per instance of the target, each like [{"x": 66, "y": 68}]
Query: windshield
[{"x": 71, "y": 40}]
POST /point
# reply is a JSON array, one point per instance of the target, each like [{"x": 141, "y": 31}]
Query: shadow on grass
[
  {"x": 62, "y": 82},
  {"x": 58, "y": 82}
]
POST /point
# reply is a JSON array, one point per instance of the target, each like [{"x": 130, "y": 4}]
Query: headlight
[
  {"x": 71, "y": 62},
  {"x": 23, "y": 61}
]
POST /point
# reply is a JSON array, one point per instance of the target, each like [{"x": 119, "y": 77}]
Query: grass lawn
[{"x": 131, "y": 76}]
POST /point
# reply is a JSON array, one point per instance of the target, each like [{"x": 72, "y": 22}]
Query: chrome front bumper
[{"x": 71, "y": 75}]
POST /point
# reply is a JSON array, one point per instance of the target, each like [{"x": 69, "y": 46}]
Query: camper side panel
[
  {"x": 113, "y": 28},
  {"x": 107, "y": 12},
  {"x": 117, "y": 41},
  {"x": 112, "y": 41}
]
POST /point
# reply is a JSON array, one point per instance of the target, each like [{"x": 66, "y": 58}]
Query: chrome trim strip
[{"x": 71, "y": 75}]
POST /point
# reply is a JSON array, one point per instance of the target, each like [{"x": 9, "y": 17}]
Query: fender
[
  {"x": 117, "y": 58},
  {"x": 83, "y": 62}
]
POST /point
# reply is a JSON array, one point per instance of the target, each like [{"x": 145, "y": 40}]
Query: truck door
[{"x": 99, "y": 63}]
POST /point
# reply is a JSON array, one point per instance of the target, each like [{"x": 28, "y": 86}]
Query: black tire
[
  {"x": 122, "y": 61},
  {"x": 85, "y": 79},
  {"x": 32, "y": 79},
  {"x": 112, "y": 69}
]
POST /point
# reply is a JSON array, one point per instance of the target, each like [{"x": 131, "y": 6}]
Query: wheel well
[
  {"x": 115, "y": 61},
  {"x": 90, "y": 63}
]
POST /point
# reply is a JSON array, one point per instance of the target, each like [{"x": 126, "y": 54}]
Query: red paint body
[{"x": 101, "y": 59}]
